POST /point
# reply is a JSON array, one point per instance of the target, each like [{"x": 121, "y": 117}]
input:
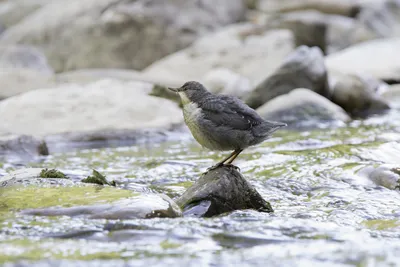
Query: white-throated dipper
[{"x": 222, "y": 122}]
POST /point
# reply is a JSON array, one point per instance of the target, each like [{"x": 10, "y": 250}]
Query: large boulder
[
  {"x": 17, "y": 81},
  {"x": 358, "y": 95},
  {"x": 303, "y": 108},
  {"x": 377, "y": 58},
  {"x": 304, "y": 68},
  {"x": 312, "y": 28},
  {"x": 118, "y": 33},
  {"x": 13, "y": 11},
  {"x": 240, "y": 48},
  {"x": 95, "y": 107},
  {"x": 22, "y": 68}
]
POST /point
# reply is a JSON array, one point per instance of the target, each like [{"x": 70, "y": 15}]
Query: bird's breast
[{"x": 192, "y": 115}]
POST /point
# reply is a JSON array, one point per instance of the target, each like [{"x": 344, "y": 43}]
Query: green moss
[
  {"x": 97, "y": 178},
  {"x": 381, "y": 224},
  {"x": 53, "y": 173},
  {"x": 19, "y": 198}
]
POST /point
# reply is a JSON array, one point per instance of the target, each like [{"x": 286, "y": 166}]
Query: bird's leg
[
  {"x": 238, "y": 151},
  {"x": 219, "y": 164},
  {"x": 234, "y": 157}
]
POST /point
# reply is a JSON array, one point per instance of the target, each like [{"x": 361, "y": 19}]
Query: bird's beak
[{"x": 176, "y": 90}]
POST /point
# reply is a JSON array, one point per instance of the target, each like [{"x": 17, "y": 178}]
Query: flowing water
[{"x": 326, "y": 211}]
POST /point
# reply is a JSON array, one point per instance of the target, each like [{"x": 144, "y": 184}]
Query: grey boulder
[
  {"x": 118, "y": 33},
  {"x": 303, "y": 68},
  {"x": 303, "y": 107}
]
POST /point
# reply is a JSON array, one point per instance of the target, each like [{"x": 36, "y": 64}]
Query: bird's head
[{"x": 191, "y": 92}]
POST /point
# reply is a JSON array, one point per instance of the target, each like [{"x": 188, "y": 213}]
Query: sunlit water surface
[{"x": 326, "y": 213}]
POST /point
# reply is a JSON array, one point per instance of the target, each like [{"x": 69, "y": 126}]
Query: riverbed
[{"x": 327, "y": 209}]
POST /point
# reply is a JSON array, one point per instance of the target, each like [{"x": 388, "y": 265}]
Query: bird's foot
[
  {"x": 232, "y": 166},
  {"x": 216, "y": 166},
  {"x": 221, "y": 165}
]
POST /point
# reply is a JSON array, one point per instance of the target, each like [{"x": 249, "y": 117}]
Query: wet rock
[
  {"x": 109, "y": 33},
  {"x": 105, "y": 106},
  {"x": 241, "y": 48},
  {"x": 13, "y": 11},
  {"x": 304, "y": 68},
  {"x": 139, "y": 207},
  {"x": 31, "y": 177},
  {"x": 221, "y": 190},
  {"x": 392, "y": 96},
  {"x": 22, "y": 147},
  {"x": 225, "y": 81},
  {"x": 358, "y": 95},
  {"x": 60, "y": 196},
  {"x": 377, "y": 58},
  {"x": 303, "y": 107},
  {"x": 386, "y": 175},
  {"x": 340, "y": 7}
]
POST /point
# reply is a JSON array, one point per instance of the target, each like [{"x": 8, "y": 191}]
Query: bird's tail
[{"x": 268, "y": 127}]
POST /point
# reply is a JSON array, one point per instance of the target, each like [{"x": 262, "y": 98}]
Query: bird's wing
[{"x": 231, "y": 112}]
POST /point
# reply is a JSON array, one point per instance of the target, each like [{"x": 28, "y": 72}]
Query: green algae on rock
[
  {"x": 52, "y": 173},
  {"x": 30, "y": 197},
  {"x": 98, "y": 178}
]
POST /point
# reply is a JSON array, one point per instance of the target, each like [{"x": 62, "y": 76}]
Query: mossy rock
[{"x": 98, "y": 178}]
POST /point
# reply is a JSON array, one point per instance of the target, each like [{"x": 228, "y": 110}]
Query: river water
[{"x": 327, "y": 210}]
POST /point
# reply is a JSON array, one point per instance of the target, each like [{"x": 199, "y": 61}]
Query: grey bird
[{"x": 222, "y": 122}]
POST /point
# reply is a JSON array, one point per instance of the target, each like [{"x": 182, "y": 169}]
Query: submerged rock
[
  {"x": 136, "y": 207},
  {"x": 358, "y": 95},
  {"x": 98, "y": 107},
  {"x": 221, "y": 190},
  {"x": 109, "y": 33},
  {"x": 27, "y": 191},
  {"x": 304, "y": 68},
  {"x": 378, "y": 58},
  {"x": 303, "y": 107},
  {"x": 386, "y": 175},
  {"x": 22, "y": 147},
  {"x": 241, "y": 48}
]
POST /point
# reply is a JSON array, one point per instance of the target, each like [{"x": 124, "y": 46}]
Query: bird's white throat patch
[{"x": 191, "y": 110}]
